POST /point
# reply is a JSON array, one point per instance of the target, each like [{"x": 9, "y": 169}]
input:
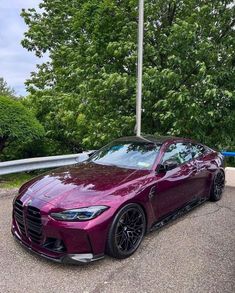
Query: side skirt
[{"x": 176, "y": 214}]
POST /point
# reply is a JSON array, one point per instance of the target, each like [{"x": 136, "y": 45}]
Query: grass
[
  {"x": 15, "y": 180},
  {"x": 230, "y": 161}
]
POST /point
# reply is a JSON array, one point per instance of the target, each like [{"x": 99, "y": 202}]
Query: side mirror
[
  {"x": 161, "y": 169},
  {"x": 167, "y": 166}
]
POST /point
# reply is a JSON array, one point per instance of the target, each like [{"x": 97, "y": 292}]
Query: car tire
[
  {"x": 217, "y": 186},
  {"x": 126, "y": 232}
]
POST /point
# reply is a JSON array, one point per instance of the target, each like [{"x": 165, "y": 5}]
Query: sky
[{"x": 16, "y": 62}]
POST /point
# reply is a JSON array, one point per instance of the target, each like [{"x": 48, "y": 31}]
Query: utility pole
[{"x": 140, "y": 68}]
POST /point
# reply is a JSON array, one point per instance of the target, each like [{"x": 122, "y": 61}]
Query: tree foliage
[
  {"x": 6, "y": 90},
  {"x": 17, "y": 124},
  {"x": 85, "y": 95}
]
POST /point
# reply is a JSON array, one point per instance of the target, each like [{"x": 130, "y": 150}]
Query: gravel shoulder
[{"x": 195, "y": 253}]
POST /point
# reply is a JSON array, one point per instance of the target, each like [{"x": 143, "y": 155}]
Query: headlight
[{"x": 83, "y": 214}]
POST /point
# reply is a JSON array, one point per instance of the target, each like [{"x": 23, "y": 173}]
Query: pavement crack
[
  {"x": 100, "y": 287},
  {"x": 213, "y": 212},
  {"x": 225, "y": 207},
  {"x": 206, "y": 214}
]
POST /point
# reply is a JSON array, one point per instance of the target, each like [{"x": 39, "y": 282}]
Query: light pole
[{"x": 140, "y": 68}]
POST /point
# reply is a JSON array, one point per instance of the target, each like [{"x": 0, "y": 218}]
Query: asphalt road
[{"x": 195, "y": 253}]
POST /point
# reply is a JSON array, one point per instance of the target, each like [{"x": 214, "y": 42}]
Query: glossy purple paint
[{"x": 91, "y": 184}]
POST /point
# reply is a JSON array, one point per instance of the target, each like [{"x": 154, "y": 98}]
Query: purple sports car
[{"x": 109, "y": 202}]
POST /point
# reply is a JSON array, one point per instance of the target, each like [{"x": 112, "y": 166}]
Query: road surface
[{"x": 195, "y": 253}]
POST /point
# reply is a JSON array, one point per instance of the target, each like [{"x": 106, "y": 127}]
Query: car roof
[{"x": 149, "y": 138}]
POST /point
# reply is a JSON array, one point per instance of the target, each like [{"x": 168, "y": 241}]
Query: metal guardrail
[
  {"x": 41, "y": 163},
  {"x": 51, "y": 162}
]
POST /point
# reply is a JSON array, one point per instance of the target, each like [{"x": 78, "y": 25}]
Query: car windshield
[{"x": 134, "y": 155}]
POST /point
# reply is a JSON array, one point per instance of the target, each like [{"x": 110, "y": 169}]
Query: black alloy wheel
[
  {"x": 218, "y": 186},
  {"x": 126, "y": 232}
]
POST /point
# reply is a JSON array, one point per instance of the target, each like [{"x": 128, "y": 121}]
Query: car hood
[{"x": 83, "y": 185}]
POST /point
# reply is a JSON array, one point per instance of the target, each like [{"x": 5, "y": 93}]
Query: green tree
[
  {"x": 18, "y": 126},
  {"x": 59, "y": 113},
  {"x": 188, "y": 68},
  {"x": 5, "y": 90}
]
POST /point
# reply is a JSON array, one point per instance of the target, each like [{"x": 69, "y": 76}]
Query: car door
[
  {"x": 174, "y": 187},
  {"x": 203, "y": 178}
]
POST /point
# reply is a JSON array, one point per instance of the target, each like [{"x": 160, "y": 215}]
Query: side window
[
  {"x": 171, "y": 154},
  {"x": 179, "y": 152},
  {"x": 198, "y": 150},
  {"x": 185, "y": 152}
]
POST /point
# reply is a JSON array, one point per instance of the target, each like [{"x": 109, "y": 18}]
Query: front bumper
[
  {"x": 64, "y": 242},
  {"x": 81, "y": 258}
]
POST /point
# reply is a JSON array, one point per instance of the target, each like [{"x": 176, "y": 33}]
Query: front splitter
[{"x": 81, "y": 258}]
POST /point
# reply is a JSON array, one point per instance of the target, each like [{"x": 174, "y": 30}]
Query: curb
[{"x": 230, "y": 176}]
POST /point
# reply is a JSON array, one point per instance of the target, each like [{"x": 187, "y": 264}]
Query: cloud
[
  {"x": 19, "y": 4},
  {"x": 16, "y": 63}
]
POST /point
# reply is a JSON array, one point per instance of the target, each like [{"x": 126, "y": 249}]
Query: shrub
[{"x": 18, "y": 126}]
